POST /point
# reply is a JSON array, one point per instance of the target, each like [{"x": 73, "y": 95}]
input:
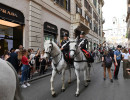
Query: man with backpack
[{"x": 117, "y": 60}]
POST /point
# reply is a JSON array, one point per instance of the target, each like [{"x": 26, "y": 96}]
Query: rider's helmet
[{"x": 65, "y": 35}]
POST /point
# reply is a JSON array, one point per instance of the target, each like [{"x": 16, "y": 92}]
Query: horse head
[
  {"x": 73, "y": 47},
  {"x": 48, "y": 46}
]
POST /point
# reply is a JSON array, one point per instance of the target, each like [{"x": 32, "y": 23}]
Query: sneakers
[
  {"x": 23, "y": 86},
  {"x": 27, "y": 84}
]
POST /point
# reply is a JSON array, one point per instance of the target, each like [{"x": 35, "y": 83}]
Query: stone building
[{"x": 31, "y": 22}]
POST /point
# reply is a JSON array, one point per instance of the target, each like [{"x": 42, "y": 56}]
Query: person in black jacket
[
  {"x": 82, "y": 42},
  {"x": 13, "y": 59},
  {"x": 65, "y": 47}
]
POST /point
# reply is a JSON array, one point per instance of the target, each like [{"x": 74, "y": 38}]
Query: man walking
[{"x": 117, "y": 59}]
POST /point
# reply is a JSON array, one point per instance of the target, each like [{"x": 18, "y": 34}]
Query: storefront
[
  {"x": 50, "y": 31},
  {"x": 11, "y": 28}
]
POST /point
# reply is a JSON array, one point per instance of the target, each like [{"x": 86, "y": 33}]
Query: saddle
[
  {"x": 88, "y": 56},
  {"x": 86, "y": 53}
]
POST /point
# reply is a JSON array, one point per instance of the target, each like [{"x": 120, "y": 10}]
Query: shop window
[
  {"x": 10, "y": 37},
  {"x": 50, "y": 31},
  {"x": 64, "y": 3},
  {"x": 87, "y": 5},
  {"x": 95, "y": 3}
]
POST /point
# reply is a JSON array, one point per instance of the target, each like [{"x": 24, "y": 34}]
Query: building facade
[
  {"x": 31, "y": 22},
  {"x": 128, "y": 21}
]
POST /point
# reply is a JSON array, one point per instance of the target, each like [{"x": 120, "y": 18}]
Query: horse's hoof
[
  {"x": 88, "y": 80},
  {"x": 54, "y": 95},
  {"x": 62, "y": 90},
  {"x": 76, "y": 95}
]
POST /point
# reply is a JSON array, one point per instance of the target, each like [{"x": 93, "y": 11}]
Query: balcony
[
  {"x": 79, "y": 22},
  {"x": 79, "y": 19}
]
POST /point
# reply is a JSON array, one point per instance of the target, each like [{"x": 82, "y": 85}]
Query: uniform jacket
[{"x": 82, "y": 43}]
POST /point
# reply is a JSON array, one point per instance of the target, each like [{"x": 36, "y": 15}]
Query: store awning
[{"x": 10, "y": 16}]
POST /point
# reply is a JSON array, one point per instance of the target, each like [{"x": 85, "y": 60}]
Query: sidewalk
[{"x": 36, "y": 76}]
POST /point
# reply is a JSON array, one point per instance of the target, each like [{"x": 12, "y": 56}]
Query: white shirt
[
  {"x": 42, "y": 56},
  {"x": 126, "y": 55}
]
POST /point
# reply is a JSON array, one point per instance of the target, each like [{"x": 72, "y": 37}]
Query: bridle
[
  {"x": 77, "y": 53},
  {"x": 50, "y": 50},
  {"x": 49, "y": 53}
]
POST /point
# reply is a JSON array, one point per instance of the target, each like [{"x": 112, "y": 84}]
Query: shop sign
[
  {"x": 50, "y": 28},
  {"x": 10, "y": 14}
]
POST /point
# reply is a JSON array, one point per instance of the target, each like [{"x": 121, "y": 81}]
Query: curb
[{"x": 39, "y": 77}]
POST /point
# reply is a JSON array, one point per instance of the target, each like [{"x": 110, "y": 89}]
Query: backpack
[{"x": 108, "y": 61}]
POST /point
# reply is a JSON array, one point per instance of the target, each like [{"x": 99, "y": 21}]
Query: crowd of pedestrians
[
  {"x": 26, "y": 63},
  {"x": 115, "y": 57}
]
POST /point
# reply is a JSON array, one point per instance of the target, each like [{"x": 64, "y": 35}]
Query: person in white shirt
[{"x": 126, "y": 64}]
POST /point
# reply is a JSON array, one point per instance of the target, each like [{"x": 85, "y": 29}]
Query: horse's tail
[{"x": 17, "y": 95}]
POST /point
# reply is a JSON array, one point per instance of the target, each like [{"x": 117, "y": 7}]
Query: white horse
[
  {"x": 9, "y": 84},
  {"x": 58, "y": 63},
  {"x": 80, "y": 63}
]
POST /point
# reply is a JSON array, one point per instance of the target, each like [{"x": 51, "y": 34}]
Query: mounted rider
[
  {"x": 82, "y": 43},
  {"x": 65, "y": 47}
]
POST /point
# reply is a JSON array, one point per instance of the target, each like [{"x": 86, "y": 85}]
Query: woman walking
[
  {"x": 25, "y": 69},
  {"x": 107, "y": 63},
  {"x": 126, "y": 64}
]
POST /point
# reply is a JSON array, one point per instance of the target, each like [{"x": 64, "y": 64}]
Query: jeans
[{"x": 25, "y": 73}]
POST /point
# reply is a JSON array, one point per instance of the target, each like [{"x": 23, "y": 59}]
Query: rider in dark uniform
[
  {"x": 82, "y": 42},
  {"x": 65, "y": 47}
]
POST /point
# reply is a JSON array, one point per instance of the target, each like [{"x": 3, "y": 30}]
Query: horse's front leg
[
  {"x": 63, "y": 78},
  {"x": 52, "y": 80},
  {"x": 78, "y": 82},
  {"x": 69, "y": 81}
]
